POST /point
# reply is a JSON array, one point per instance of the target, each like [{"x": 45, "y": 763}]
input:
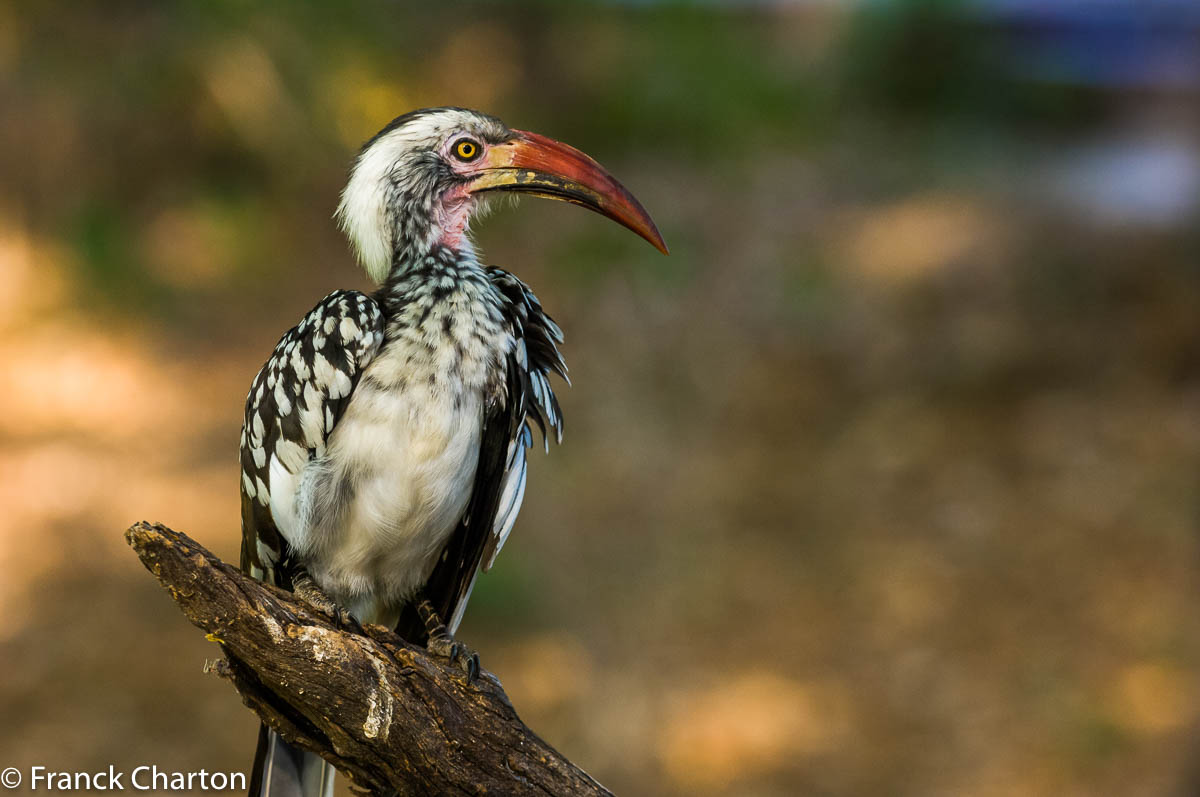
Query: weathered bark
[{"x": 386, "y": 714}]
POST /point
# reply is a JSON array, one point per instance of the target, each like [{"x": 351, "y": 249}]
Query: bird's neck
[
  {"x": 431, "y": 228},
  {"x": 428, "y": 276}
]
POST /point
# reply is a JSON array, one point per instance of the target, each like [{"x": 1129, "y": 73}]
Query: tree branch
[{"x": 385, "y": 713}]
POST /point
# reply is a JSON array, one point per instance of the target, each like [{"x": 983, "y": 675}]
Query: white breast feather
[{"x": 406, "y": 449}]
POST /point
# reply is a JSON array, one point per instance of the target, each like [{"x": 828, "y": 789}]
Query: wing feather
[{"x": 293, "y": 405}]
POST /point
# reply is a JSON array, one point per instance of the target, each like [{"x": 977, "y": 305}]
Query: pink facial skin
[{"x": 454, "y": 211}]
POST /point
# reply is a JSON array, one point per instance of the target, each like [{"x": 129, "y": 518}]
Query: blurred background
[{"x": 884, "y": 483}]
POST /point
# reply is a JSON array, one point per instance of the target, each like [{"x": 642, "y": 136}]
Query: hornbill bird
[{"x": 383, "y": 450}]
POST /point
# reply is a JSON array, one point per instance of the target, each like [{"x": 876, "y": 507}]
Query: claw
[
  {"x": 307, "y": 590},
  {"x": 456, "y": 653},
  {"x": 445, "y": 646},
  {"x": 346, "y": 621}
]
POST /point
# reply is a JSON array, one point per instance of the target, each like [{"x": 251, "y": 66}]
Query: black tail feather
[{"x": 281, "y": 770}]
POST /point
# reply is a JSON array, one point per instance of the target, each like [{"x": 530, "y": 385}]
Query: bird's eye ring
[{"x": 466, "y": 150}]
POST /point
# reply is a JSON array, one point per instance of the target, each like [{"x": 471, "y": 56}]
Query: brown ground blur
[{"x": 884, "y": 483}]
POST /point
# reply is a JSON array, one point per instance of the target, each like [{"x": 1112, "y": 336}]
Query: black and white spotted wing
[
  {"x": 293, "y": 405},
  {"x": 500, "y": 476},
  {"x": 534, "y": 358}
]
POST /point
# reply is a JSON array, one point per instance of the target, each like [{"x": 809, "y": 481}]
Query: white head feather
[{"x": 394, "y": 166}]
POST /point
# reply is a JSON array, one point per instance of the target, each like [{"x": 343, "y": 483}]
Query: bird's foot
[
  {"x": 307, "y": 590},
  {"x": 443, "y": 645}
]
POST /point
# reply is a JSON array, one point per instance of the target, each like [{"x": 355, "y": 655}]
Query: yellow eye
[{"x": 466, "y": 149}]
